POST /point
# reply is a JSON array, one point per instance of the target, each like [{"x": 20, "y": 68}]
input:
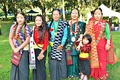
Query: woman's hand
[
  {"x": 60, "y": 47},
  {"x": 16, "y": 50},
  {"x": 40, "y": 56},
  {"x": 78, "y": 48},
  {"x": 107, "y": 47}
]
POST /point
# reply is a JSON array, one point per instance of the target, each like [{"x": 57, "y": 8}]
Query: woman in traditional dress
[
  {"x": 40, "y": 37},
  {"x": 100, "y": 33},
  {"x": 76, "y": 30},
  {"x": 57, "y": 56},
  {"x": 19, "y": 37}
]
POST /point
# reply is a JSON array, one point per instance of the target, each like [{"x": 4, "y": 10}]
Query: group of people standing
[{"x": 74, "y": 48}]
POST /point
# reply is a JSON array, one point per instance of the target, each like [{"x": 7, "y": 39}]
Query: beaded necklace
[
  {"x": 76, "y": 27},
  {"x": 15, "y": 36}
]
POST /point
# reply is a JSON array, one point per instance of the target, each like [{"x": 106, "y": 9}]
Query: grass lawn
[{"x": 5, "y": 55}]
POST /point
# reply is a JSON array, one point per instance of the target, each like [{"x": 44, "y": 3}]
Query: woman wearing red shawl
[{"x": 100, "y": 33}]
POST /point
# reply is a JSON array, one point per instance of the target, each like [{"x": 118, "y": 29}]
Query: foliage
[
  {"x": 3, "y": 4},
  {"x": 84, "y": 6},
  {"x": 116, "y": 5},
  {"x": 46, "y": 5},
  {"x": 9, "y": 6}
]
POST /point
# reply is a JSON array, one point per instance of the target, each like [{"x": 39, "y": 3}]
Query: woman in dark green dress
[{"x": 76, "y": 30}]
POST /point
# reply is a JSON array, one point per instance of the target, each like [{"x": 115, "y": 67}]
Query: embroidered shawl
[
  {"x": 56, "y": 54},
  {"x": 93, "y": 53},
  {"x": 24, "y": 32}
]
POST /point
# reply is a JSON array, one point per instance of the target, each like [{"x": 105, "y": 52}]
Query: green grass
[{"x": 5, "y": 55}]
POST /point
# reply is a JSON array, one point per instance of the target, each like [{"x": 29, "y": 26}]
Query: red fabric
[
  {"x": 44, "y": 42},
  {"x": 92, "y": 18},
  {"x": 102, "y": 54},
  {"x": 86, "y": 48},
  {"x": 111, "y": 57}
]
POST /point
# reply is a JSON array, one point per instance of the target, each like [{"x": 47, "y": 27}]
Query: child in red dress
[{"x": 84, "y": 63}]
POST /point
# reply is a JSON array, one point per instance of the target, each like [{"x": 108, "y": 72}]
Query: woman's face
[
  {"x": 74, "y": 14},
  {"x": 97, "y": 15},
  {"x": 85, "y": 41},
  {"x": 38, "y": 21},
  {"x": 20, "y": 19},
  {"x": 56, "y": 15}
]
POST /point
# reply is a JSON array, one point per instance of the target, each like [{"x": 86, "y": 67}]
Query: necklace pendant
[{"x": 73, "y": 39}]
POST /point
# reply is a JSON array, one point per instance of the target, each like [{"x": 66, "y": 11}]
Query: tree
[
  {"x": 116, "y": 5},
  {"x": 3, "y": 3},
  {"x": 47, "y": 5},
  {"x": 13, "y": 6},
  {"x": 18, "y": 4}
]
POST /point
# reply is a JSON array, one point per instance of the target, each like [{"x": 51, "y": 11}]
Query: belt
[
  {"x": 37, "y": 46},
  {"x": 83, "y": 55},
  {"x": 51, "y": 43}
]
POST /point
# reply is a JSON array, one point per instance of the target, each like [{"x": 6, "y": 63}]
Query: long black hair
[{"x": 43, "y": 28}]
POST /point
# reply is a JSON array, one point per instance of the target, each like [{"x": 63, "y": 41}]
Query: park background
[{"x": 8, "y": 9}]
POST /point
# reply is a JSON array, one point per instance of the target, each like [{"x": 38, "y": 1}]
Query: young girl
[
  {"x": 19, "y": 37},
  {"x": 40, "y": 36},
  {"x": 84, "y": 63}
]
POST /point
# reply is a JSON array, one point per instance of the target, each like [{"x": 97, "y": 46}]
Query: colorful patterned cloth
[{"x": 56, "y": 54}]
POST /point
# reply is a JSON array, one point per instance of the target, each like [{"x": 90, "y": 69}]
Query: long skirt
[
  {"x": 84, "y": 67},
  {"x": 40, "y": 72},
  {"x": 21, "y": 72},
  {"x": 58, "y": 69},
  {"x": 101, "y": 71},
  {"x": 73, "y": 70}
]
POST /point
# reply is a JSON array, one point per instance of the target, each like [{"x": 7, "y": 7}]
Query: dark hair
[
  {"x": 89, "y": 38},
  {"x": 25, "y": 22},
  {"x": 75, "y": 9},
  {"x": 56, "y": 10},
  {"x": 42, "y": 28},
  {"x": 98, "y": 9},
  {"x": 92, "y": 12},
  {"x": 52, "y": 14}
]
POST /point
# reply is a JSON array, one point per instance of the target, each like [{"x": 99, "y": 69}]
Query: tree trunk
[
  {"x": 43, "y": 11},
  {"x": 21, "y": 9},
  {"x": 99, "y": 2},
  {"x": 63, "y": 10},
  {"x": 81, "y": 2},
  {"x": 5, "y": 10},
  {"x": 91, "y": 3}
]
